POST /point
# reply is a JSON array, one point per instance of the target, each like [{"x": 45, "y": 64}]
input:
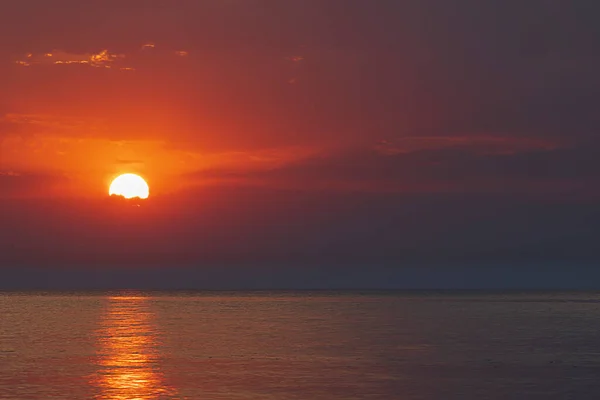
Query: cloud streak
[
  {"x": 22, "y": 184},
  {"x": 473, "y": 168}
]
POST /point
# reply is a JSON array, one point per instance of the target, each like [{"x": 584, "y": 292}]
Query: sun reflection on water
[{"x": 128, "y": 356}]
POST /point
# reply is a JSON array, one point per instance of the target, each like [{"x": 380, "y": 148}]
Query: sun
[{"x": 129, "y": 186}]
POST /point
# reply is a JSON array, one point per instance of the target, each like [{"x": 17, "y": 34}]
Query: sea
[{"x": 284, "y": 345}]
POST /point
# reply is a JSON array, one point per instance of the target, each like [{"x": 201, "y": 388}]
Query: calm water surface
[{"x": 299, "y": 345}]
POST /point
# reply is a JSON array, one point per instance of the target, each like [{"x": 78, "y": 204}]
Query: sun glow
[{"x": 129, "y": 186}]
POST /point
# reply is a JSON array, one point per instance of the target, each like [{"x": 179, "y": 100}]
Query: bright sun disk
[{"x": 129, "y": 186}]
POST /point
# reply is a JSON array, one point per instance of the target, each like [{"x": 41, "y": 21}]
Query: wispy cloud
[
  {"x": 480, "y": 143},
  {"x": 104, "y": 59},
  {"x": 101, "y": 59},
  {"x": 42, "y": 123},
  {"x": 129, "y": 162}
]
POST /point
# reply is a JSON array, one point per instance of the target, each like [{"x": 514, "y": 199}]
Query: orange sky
[{"x": 224, "y": 92}]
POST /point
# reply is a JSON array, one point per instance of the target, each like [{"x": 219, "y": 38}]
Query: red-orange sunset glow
[{"x": 316, "y": 137}]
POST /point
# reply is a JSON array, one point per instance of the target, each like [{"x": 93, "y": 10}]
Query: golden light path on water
[{"x": 128, "y": 358}]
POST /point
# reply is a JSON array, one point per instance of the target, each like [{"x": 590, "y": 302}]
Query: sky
[{"x": 300, "y": 143}]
